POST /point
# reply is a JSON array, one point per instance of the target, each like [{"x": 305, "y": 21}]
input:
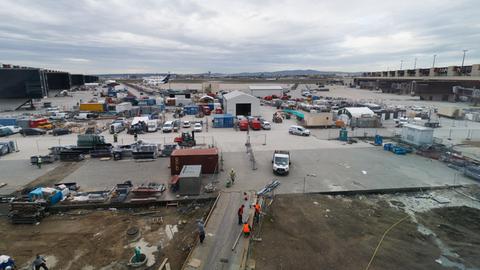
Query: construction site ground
[
  {"x": 315, "y": 231},
  {"x": 98, "y": 239}
]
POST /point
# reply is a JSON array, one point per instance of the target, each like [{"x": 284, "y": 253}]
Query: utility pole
[
  {"x": 415, "y": 64},
  {"x": 463, "y": 60},
  {"x": 434, "y": 57},
  {"x": 401, "y": 64}
]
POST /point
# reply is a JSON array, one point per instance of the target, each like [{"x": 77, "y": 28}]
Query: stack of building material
[
  {"x": 26, "y": 212},
  {"x": 144, "y": 151}
]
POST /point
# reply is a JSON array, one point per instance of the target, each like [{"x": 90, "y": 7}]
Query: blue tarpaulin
[
  {"x": 296, "y": 113},
  {"x": 35, "y": 194}
]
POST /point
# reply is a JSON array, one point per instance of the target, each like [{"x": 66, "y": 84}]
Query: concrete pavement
[{"x": 222, "y": 231}]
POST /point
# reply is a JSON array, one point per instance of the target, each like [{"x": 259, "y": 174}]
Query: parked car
[
  {"x": 240, "y": 118},
  {"x": 197, "y": 127},
  {"x": 266, "y": 125},
  {"x": 60, "y": 131},
  {"x": 32, "y": 131},
  {"x": 176, "y": 125},
  {"x": 5, "y": 131},
  {"x": 167, "y": 127},
  {"x": 6, "y": 147},
  {"x": 298, "y": 130},
  {"x": 14, "y": 129},
  {"x": 186, "y": 124},
  {"x": 243, "y": 124},
  {"x": 58, "y": 116},
  {"x": 255, "y": 124}
]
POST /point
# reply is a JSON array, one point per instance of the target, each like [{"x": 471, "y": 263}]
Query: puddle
[{"x": 146, "y": 249}]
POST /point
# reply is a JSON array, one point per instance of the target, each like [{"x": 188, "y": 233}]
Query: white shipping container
[{"x": 124, "y": 106}]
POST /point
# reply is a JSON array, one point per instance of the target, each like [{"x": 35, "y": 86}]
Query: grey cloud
[{"x": 93, "y": 36}]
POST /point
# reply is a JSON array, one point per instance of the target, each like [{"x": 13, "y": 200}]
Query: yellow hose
[{"x": 381, "y": 240}]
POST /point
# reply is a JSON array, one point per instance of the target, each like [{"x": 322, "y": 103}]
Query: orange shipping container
[{"x": 92, "y": 107}]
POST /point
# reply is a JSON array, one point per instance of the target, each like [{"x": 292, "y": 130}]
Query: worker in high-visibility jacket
[
  {"x": 257, "y": 212},
  {"x": 233, "y": 174},
  {"x": 246, "y": 229}
]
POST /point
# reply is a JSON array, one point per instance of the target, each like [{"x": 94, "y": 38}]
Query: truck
[{"x": 281, "y": 162}]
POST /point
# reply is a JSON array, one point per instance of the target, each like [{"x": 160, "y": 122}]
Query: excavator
[{"x": 186, "y": 140}]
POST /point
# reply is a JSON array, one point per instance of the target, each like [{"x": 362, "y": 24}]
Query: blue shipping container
[
  {"x": 151, "y": 102},
  {"x": 8, "y": 121},
  {"x": 223, "y": 121},
  {"x": 191, "y": 110}
]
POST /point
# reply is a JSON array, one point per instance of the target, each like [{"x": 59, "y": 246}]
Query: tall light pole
[
  {"x": 463, "y": 60},
  {"x": 415, "y": 64},
  {"x": 434, "y": 57}
]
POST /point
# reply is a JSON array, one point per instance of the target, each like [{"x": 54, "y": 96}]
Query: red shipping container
[{"x": 208, "y": 158}]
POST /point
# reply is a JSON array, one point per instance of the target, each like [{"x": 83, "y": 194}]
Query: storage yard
[{"x": 125, "y": 154}]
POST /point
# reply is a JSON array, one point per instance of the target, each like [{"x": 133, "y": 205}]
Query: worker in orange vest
[
  {"x": 257, "y": 212},
  {"x": 246, "y": 229}
]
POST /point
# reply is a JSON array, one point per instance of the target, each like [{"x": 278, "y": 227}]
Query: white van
[
  {"x": 298, "y": 130},
  {"x": 167, "y": 127},
  {"x": 152, "y": 126},
  {"x": 116, "y": 128},
  {"x": 84, "y": 116},
  {"x": 58, "y": 116}
]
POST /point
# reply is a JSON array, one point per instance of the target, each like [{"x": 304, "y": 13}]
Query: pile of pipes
[{"x": 269, "y": 187}]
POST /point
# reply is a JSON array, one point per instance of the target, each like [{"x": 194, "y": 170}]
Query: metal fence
[{"x": 330, "y": 134}]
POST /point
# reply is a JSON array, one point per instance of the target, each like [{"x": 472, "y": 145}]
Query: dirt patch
[
  {"x": 98, "y": 239},
  {"x": 472, "y": 143},
  {"x": 319, "y": 231},
  {"x": 54, "y": 176},
  {"x": 458, "y": 228}
]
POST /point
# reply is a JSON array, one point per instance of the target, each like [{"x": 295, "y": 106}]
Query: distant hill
[
  {"x": 284, "y": 73},
  {"x": 268, "y": 74}
]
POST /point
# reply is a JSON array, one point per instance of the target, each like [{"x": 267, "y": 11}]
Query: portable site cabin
[{"x": 417, "y": 135}]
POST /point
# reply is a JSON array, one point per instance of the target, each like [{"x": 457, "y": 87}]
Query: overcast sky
[{"x": 183, "y": 36}]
